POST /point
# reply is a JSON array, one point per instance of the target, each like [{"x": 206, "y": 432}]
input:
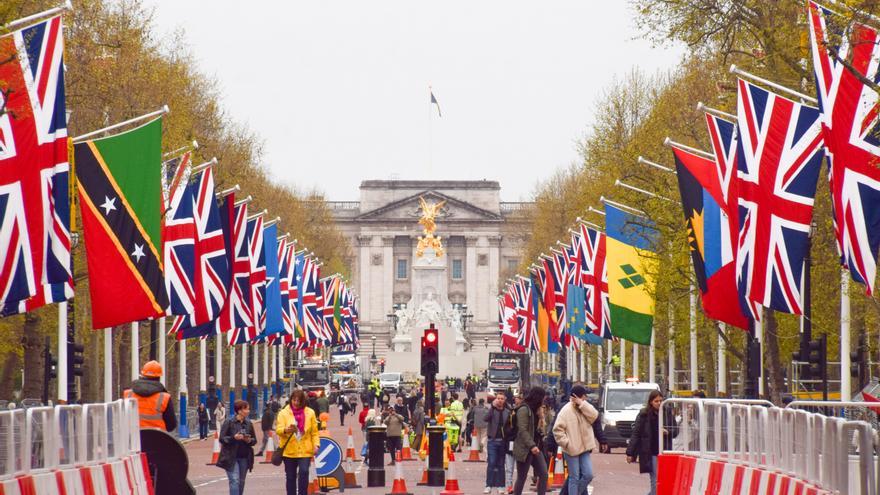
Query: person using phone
[
  {"x": 237, "y": 439},
  {"x": 297, "y": 421},
  {"x": 573, "y": 431}
]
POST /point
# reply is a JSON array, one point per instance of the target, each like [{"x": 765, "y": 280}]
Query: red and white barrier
[{"x": 681, "y": 474}]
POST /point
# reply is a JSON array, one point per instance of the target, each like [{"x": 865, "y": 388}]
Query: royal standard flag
[
  {"x": 631, "y": 266},
  {"x": 120, "y": 194}
]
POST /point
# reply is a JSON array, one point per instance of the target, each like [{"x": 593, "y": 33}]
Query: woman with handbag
[
  {"x": 237, "y": 439},
  {"x": 297, "y": 432}
]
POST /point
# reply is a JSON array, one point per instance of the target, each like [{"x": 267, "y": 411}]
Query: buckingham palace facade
[{"x": 482, "y": 237}]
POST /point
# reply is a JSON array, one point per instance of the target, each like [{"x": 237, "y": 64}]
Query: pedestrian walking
[
  {"x": 237, "y": 438},
  {"x": 573, "y": 431},
  {"x": 202, "y": 412},
  {"x": 297, "y": 423},
  {"x": 266, "y": 425},
  {"x": 394, "y": 432},
  {"x": 644, "y": 443},
  {"x": 526, "y": 448},
  {"x": 499, "y": 429},
  {"x": 418, "y": 423},
  {"x": 480, "y": 411},
  {"x": 342, "y": 405},
  {"x": 352, "y": 404},
  {"x": 220, "y": 415}
]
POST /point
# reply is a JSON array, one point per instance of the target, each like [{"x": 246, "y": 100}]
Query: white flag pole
[
  {"x": 692, "y": 317},
  {"x": 845, "y": 379},
  {"x": 670, "y": 349},
  {"x": 108, "y": 365},
  {"x": 218, "y": 360},
  {"x": 24, "y": 21},
  {"x": 62, "y": 352},
  {"x": 203, "y": 367},
  {"x": 722, "y": 362},
  {"x": 162, "y": 351},
  {"x": 135, "y": 350},
  {"x": 157, "y": 113},
  {"x": 652, "y": 359}
]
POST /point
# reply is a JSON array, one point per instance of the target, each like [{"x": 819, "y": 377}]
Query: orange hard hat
[{"x": 152, "y": 369}]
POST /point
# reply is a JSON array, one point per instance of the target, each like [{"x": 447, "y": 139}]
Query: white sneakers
[{"x": 488, "y": 489}]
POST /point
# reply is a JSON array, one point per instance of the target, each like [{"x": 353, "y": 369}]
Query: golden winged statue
[{"x": 429, "y": 213}]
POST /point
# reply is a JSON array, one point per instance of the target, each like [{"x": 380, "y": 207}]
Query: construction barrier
[
  {"x": 73, "y": 450},
  {"x": 751, "y": 447}
]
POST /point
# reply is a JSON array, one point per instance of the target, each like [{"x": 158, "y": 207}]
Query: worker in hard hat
[{"x": 155, "y": 406}]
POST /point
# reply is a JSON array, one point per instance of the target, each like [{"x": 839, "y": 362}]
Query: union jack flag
[
  {"x": 237, "y": 312},
  {"x": 200, "y": 286},
  {"x": 285, "y": 271},
  {"x": 559, "y": 268},
  {"x": 312, "y": 303},
  {"x": 34, "y": 171},
  {"x": 257, "y": 258},
  {"x": 588, "y": 251},
  {"x": 527, "y": 336},
  {"x": 778, "y": 162},
  {"x": 852, "y": 137},
  {"x": 330, "y": 287}
]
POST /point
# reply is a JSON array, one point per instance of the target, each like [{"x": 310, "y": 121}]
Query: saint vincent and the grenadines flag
[
  {"x": 710, "y": 234},
  {"x": 631, "y": 267},
  {"x": 121, "y": 201}
]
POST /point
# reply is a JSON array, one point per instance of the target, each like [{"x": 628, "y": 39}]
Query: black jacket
[
  {"x": 203, "y": 415},
  {"x": 643, "y": 443},
  {"x": 146, "y": 387},
  {"x": 267, "y": 419},
  {"x": 495, "y": 419},
  {"x": 229, "y": 445}
]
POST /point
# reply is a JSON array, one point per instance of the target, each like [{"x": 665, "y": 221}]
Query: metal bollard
[
  {"x": 376, "y": 446},
  {"x": 436, "y": 474}
]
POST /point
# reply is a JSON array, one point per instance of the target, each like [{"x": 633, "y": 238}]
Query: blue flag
[
  {"x": 576, "y": 326},
  {"x": 274, "y": 321}
]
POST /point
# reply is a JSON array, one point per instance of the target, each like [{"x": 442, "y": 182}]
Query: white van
[
  {"x": 621, "y": 403},
  {"x": 390, "y": 381}
]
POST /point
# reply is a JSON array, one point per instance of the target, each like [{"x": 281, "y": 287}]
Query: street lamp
[
  {"x": 486, "y": 342},
  {"x": 465, "y": 316},
  {"x": 373, "y": 357}
]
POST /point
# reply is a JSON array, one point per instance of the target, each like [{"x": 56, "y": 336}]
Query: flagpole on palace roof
[
  {"x": 31, "y": 18},
  {"x": 739, "y": 72},
  {"x": 624, "y": 185},
  {"x": 704, "y": 154},
  {"x": 157, "y": 113},
  {"x": 655, "y": 165},
  {"x": 718, "y": 113}
]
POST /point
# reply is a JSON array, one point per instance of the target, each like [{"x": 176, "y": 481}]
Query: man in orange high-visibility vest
[{"x": 155, "y": 407}]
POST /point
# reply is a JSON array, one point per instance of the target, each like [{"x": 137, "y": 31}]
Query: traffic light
[
  {"x": 50, "y": 370},
  {"x": 75, "y": 360},
  {"x": 858, "y": 368},
  {"x": 818, "y": 361},
  {"x": 430, "y": 353}
]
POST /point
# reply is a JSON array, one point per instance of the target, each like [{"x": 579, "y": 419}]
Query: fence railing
[
  {"x": 829, "y": 452},
  {"x": 40, "y": 439}
]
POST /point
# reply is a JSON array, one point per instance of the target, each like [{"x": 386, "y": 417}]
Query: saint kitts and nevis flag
[
  {"x": 631, "y": 264},
  {"x": 121, "y": 201}
]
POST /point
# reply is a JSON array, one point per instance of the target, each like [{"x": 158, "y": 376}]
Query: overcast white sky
[{"x": 338, "y": 90}]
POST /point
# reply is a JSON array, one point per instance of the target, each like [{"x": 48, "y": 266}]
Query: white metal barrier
[
  {"x": 41, "y": 439},
  {"x": 830, "y": 453}
]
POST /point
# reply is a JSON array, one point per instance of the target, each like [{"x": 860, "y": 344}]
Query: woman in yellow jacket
[{"x": 296, "y": 421}]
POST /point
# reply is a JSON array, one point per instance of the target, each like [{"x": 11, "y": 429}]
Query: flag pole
[
  {"x": 673, "y": 144},
  {"x": 656, "y": 165},
  {"x": 430, "y": 134},
  {"x": 590, "y": 209},
  {"x": 162, "y": 350},
  {"x": 12, "y": 26},
  {"x": 624, "y": 185},
  {"x": 739, "y": 72},
  {"x": 108, "y": 365},
  {"x": 203, "y": 370},
  {"x": 226, "y": 192},
  {"x": 183, "y": 149},
  {"x": 271, "y": 222},
  {"x": 203, "y": 166},
  {"x": 603, "y": 199},
  {"x": 157, "y": 113},
  {"x": 714, "y": 111},
  {"x": 135, "y": 350}
]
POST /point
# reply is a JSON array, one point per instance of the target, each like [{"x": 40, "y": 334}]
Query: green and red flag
[{"x": 119, "y": 179}]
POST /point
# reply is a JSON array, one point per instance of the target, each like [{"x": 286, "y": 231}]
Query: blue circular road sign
[{"x": 329, "y": 457}]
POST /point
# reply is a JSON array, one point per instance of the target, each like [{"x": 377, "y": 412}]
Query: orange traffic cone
[
  {"x": 215, "y": 451},
  {"x": 313, "y": 475},
  {"x": 558, "y": 470},
  {"x": 399, "y": 485},
  {"x": 424, "y": 480},
  {"x": 350, "y": 478},
  {"x": 474, "y": 455},
  {"x": 349, "y": 451},
  {"x": 270, "y": 449},
  {"x": 406, "y": 451},
  {"x": 451, "y": 482}
]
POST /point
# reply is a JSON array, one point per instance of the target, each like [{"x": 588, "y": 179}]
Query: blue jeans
[
  {"x": 653, "y": 476},
  {"x": 203, "y": 430},
  {"x": 580, "y": 473},
  {"x": 236, "y": 476},
  {"x": 496, "y": 450}
]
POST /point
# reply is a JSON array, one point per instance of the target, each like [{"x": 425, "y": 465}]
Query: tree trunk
[{"x": 773, "y": 364}]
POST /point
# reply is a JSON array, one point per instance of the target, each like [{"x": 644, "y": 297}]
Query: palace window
[
  {"x": 457, "y": 269},
  {"x": 402, "y": 269}
]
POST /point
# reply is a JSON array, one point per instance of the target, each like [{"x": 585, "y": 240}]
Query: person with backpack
[
  {"x": 526, "y": 448},
  {"x": 498, "y": 434},
  {"x": 266, "y": 425}
]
